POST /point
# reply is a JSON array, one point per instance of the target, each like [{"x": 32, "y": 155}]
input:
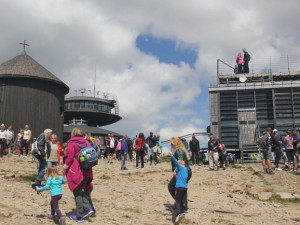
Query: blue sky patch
[{"x": 166, "y": 50}]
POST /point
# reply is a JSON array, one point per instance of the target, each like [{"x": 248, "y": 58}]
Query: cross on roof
[{"x": 24, "y": 44}]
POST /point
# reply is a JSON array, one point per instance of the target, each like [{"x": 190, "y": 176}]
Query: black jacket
[
  {"x": 213, "y": 143},
  {"x": 151, "y": 140},
  {"x": 194, "y": 145},
  {"x": 42, "y": 144}
]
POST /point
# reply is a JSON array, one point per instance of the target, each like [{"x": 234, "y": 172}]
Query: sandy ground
[{"x": 140, "y": 196}]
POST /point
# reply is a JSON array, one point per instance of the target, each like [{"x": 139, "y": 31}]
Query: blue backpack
[{"x": 88, "y": 156}]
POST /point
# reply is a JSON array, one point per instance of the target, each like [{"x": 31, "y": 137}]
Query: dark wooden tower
[{"x": 30, "y": 94}]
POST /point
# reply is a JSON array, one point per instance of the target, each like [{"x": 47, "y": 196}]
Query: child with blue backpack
[
  {"x": 180, "y": 187},
  {"x": 54, "y": 182}
]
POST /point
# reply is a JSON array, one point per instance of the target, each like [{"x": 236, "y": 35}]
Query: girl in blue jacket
[
  {"x": 181, "y": 187},
  {"x": 54, "y": 182}
]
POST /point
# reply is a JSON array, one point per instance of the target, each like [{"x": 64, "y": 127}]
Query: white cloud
[{"x": 71, "y": 38}]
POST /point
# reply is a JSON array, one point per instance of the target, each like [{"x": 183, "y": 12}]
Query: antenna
[
  {"x": 95, "y": 81},
  {"x": 82, "y": 91},
  {"x": 242, "y": 78}
]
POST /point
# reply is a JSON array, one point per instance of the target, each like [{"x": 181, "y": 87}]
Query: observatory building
[
  {"x": 30, "y": 94},
  {"x": 89, "y": 113},
  {"x": 243, "y": 105}
]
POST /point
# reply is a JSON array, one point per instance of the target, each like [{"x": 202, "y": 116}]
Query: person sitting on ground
[
  {"x": 54, "y": 151},
  {"x": 181, "y": 187},
  {"x": 54, "y": 182},
  {"x": 213, "y": 147}
]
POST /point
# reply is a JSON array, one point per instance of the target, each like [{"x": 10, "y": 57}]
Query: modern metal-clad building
[
  {"x": 30, "y": 94},
  {"x": 243, "y": 105}
]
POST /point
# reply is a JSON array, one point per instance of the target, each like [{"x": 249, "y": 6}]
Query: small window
[
  {"x": 214, "y": 123},
  {"x": 251, "y": 122},
  {"x": 243, "y": 122}
]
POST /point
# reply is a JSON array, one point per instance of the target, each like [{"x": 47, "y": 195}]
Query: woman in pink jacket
[
  {"x": 77, "y": 177},
  {"x": 240, "y": 62}
]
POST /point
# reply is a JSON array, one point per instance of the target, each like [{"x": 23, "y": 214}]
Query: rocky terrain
[{"x": 242, "y": 194}]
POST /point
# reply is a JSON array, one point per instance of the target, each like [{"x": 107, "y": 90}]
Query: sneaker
[
  {"x": 137, "y": 167},
  {"x": 125, "y": 168},
  {"x": 77, "y": 219},
  {"x": 279, "y": 169},
  {"x": 211, "y": 169},
  {"x": 179, "y": 217},
  {"x": 270, "y": 171},
  {"x": 51, "y": 217},
  {"x": 62, "y": 221},
  {"x": 224, "y": 168},
  {"x": 88, "y": 213}
]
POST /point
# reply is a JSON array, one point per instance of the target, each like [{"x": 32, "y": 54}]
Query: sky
[{"x": 157, "y": 57}]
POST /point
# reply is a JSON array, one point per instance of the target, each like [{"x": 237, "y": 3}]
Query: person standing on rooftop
[{"x": 246, "y": 61}]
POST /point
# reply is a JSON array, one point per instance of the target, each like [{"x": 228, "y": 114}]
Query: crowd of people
[
  {"x": 139, "y": 149},
  {"x": 286, "y": 148},
  {"x": 242, "y": 64}
]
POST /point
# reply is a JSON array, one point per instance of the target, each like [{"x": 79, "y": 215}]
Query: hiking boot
[
  {"x": 266, "y": 171},
  {"x": 211, "y": 169},
  {"x": 62, "y": 221},
  {"x": 270, "y": 171},
  {"x": 77, "y": 219}
]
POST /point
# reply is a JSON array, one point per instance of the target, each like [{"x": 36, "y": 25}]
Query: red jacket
[{"x": 139, "y": 143}]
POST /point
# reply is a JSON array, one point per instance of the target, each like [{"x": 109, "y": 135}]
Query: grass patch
[
  {"x": 235, "y": 166},
  {"x": 138, "y": 211},
  {"x": 166, "y": 159},
  {"x": 276, "y": 198},
  {"x": 105, "y": 177},
  {"x": 27, "y": 178}
]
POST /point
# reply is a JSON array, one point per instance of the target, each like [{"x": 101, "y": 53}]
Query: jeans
[
  {"x": 81, "y": 199},
  {"x": 181, "y": 194},
  {"x": 195, "y": 157},
  {"x": 171, "y": 188},
  {"x": 49, "y": 164},
  {"x": 54, "y": 206},
  {"x": 139, "y": 154},
  {"x": 41, "y": 171},
  {"x": 123, "y": 158}
]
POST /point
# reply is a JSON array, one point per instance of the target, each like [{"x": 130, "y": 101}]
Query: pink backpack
[{"x": 118, "y": 146}]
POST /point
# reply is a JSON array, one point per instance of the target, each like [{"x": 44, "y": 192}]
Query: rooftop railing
[{"x": 271, "y": 64}]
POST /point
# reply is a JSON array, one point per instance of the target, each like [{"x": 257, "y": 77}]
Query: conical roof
[{"x": 25, "y": 66}]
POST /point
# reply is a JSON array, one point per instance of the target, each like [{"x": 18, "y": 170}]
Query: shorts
[
  {"x": 9, "y": 145},
  {"x": 266, "y": 153},
  {"x": 111, "y": 151}
]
